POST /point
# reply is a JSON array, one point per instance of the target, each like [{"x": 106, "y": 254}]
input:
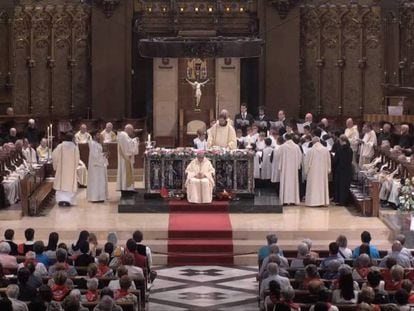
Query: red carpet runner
[{"x": 199, "y": 234}]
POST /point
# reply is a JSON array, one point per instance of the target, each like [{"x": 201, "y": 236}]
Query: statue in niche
[
  {"x": 171, "y": 174},
  {"x": 197, "y": 87},
  {"x": 156, "y": 181}
]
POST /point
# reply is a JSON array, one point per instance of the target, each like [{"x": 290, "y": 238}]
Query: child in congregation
[
  {"x": 200, "y": 142},
  {"x": 251, "y": 137}
]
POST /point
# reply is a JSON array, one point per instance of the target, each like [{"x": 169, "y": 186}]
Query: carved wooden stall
[{"x": 341, "y": 58}]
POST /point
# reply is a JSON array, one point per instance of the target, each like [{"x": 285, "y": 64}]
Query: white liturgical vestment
[
  {"x": 127, "y": 149},
  {"x": 200, "y": 190},
  {"x": 65, "y": 162},
  {"x": 222, "y": 136},
  {"x": 97, "y": 173},
  {"x": 289, "y": 165},
  {"x": 317, "y": 168}
]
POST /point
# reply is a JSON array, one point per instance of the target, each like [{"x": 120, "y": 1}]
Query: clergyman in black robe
[{"x": 343, "y": 171}]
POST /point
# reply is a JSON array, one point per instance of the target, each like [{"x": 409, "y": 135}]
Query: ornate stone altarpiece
[{"x": 165, "y": 168}]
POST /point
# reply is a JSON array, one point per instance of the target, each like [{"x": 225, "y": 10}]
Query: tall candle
[{"x": 149, "y": 137}]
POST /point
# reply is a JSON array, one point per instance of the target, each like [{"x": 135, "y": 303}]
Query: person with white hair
[
  {"x": 396, "y": 252},
  {"x": 406, "y": 140},
  {"x": 317, "y": 166},
  {"x": 12, "y": 293},
  {"x": 352, "y": 133},
  {"x": 227, "y": 114},
  {"x": 273, "y": 270},
  {"x": 108, "y": 135},
  {"x": 303, "y": 251},
  {"x": 28, "y": 152},
  {"x": 12, "y": 136},
  {"x": 200, "y": 179},
  {"x": 32, "y": 133},
  {"x": 43, "y": 150},
  {"x": 82, "y": 136},
  {"x": 6, "y": 260},
  {"x": 76, "y": 296},
  {"x": 10, "y": 111},
  {"x": 367, "y": 144},
  {"x": 128, "y": 148},
  {"x": 39, "y": 267}
]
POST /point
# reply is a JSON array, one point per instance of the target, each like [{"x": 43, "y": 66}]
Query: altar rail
[{"x": 166, "y": 169}]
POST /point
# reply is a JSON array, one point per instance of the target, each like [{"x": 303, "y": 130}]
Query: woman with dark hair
[
  {"x": 84, "y": 259},
  {"x": 26, "y": 291},
  {"x": 52, "y": 246},
  {"x": 83, "y": 237},
  {"x": 343, "y": 170},
  {"x": 274, "y": 295},
  {"x": 53, "y": 241},
  {"x": 345, "y": 293}
]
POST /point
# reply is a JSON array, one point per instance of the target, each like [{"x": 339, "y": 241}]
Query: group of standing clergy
[
  {"x": 313, "y": 165},
  {"x": 65, "y": 158}
]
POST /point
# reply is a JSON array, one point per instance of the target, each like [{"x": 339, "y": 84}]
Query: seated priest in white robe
[
  {"x": 317, "y": 168},
  {"x": 42, "y": 150},
  {"x": 222, "y": 134},
  {"x": 127, "y": 150},
  {"x": 28, "y": 152},
  {"x": 108, "y": 135},
  {"x": 65, "y": 162},
  {"x": 200, "y": 180},
  {"x": 368, "y": 143},
  {"x": 97, "y": 170},
  {"x": 82, "y": 136},
  {"x": 290, "y": 162}
]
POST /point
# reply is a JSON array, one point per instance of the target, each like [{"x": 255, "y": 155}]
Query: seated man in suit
[{"x": 200, "y": 180}]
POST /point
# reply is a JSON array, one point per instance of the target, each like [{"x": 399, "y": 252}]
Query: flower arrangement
[{"x": 406, "y": 197}]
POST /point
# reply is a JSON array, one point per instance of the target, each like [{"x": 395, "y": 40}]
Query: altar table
[{"x": 165, "y": 168}]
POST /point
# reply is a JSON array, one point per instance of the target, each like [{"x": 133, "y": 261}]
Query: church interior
[{"x": 206, "y": 155}]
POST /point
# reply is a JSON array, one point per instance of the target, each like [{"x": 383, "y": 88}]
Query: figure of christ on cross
[{"x": 197, "y": 87}]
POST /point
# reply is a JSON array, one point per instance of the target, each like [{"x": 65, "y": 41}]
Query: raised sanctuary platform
[{"x": 263, "y": 201}]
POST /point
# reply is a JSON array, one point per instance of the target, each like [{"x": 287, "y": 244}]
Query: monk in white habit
[
  {"x": 290, "y": 162},
  {"x": 367, "y": 145},
  {"x": 97, "y": 171},
  {"x": 42, "y": 150},
  {"x": 200, "y": 180},
  {"x": 65, "y": 162},
  {"x": 28, "y": 152},
  {"x": 222, "y": 134},
  {"x": 108, "y": 135},
  {"x": 352, "y": 133},
  {"x": 127, "y": 150},
  {"x": 82, "y": 136},
  {"x": 317, "y": 168}
]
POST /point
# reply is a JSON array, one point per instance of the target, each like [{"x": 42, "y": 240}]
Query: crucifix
[{"x": 197, "y": 87}]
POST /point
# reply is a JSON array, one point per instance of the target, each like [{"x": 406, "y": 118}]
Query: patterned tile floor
[{"x": 204, "y": 288}]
